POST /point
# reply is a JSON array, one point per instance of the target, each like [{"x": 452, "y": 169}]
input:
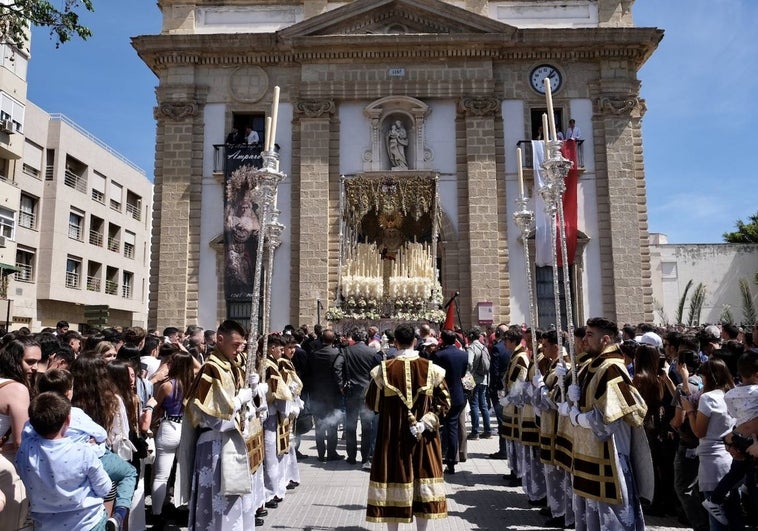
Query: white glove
[
  {"x": 417, "y": 429},
  {"x": 579, "y": 419},
  {"x": 294, "y": 387},
  {"x": 244, "y": 396},
  {"x": 537, "y": 380},
  {"x": 561, "y": 370},
  {"x": 574, "y": 393},
  {"x": 262, "y": 412},
  {"x": 262, "y": 389},
  {"x": 504, "y": 401},
  {"x": 564, "y": 408},
  {"x": 501, "y": 393},
  {"x": 254, "y": 379}
]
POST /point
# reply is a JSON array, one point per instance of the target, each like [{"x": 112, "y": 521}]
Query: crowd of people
[{"x": 642, "y": 420}]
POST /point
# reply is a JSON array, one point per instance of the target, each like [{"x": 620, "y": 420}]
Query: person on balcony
[{"x": 573, "y": 132}]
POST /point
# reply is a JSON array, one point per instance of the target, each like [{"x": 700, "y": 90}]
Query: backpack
[{"x": 482, "y": 367}]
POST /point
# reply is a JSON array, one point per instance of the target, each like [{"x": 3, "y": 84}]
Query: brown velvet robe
[{"x": 406, "y": 473}]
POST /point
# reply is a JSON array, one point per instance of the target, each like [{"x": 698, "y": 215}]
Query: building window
[
  {"x": 94, "y": 272},
  {"x": 134, "y": 205},
  {"x": 32, "y": 159},
  {"x": 129, "y": 242},
  {"x": 75, "y": 226},
  {"x": 27, "y": 213},
  {"x": 96, "y": 228},
  {"x": 127, "y": 285},
  {"x": 98, "y": 187},
  {"x": 73, "y": 272},
  {"x": 7, "y": 224},
  {"x": 117, "y": 193},
  {"x": 12, "y": 112},
  {"x": 25, "y": 264},
  {"x": 546, "y": 297},
  {"x": 111, "y": 281},
  {"x": 114, "y": 241},
  {"x": 76, "y": 175}
]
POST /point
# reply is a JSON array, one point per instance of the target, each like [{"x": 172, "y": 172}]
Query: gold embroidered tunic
[
  {"x": 516, "y": 374},
  {"x": 406, "y": 473}
]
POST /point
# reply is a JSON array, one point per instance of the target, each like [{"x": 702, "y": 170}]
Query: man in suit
[
  {"x": 325, "y": 396},
  {"x": 357, "y": 361},
  {"x": 455, "y": 363}
]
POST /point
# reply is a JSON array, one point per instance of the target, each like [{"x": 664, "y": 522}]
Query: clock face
[{"x": 545, "y": 71}]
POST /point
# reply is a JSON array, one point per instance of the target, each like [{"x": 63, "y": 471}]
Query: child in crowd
[
  {"x": 65, "y": 481},
  {"x": 85, "y": 430},
  {"x": 742, "y": 404}
]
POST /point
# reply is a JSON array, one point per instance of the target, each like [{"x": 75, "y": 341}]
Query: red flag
[
  {"x": 450, "y": 316},
  {"x": 568, "y": 150}
]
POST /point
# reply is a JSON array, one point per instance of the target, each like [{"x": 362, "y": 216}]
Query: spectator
[
  {"x": 66, "y": 481},
  {"x": 573, "y": 132},
  {"x": 479, "y": 365},
  {"x": 61, "y": 328},
  {"x": 14, "y": 412},
  {"x": 169, "y": 409},
  {"x": 710, "y": 423}
]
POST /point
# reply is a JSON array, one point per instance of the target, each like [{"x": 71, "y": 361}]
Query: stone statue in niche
[{"x": 397, "y": 143}]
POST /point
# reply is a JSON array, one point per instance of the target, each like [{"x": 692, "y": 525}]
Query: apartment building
[{"x": 76, "y": 225}]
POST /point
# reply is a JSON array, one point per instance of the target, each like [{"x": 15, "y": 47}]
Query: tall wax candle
[
  {"x": 520, "y": 162},
  {"x": 274, "y": 116},
  {"x": 545, "y": 135},
  {"x": 550, "y": 111}
]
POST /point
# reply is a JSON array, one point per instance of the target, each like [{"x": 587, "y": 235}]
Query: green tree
[
  {"x": 745, "y": 233},
  {"x": 17, "y": 16}
]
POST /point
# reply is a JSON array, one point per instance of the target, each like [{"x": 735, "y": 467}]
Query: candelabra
[
  {"x": 555, "y": 169},
  {"x": 524, "y": 219},
  {"x": 267, "y": 183}
]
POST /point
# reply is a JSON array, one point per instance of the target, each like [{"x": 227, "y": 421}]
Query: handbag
[
  {"x": 468, "y": 382},
  {"x": 304, "y": 422}
]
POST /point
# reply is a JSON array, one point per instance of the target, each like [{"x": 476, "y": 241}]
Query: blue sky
[{"x": 700, "y": 87}]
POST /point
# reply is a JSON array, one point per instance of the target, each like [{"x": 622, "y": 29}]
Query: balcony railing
[
  {"x": 49, "y": 171},
  {"x": 98, "y": 196},
  {"x": 129, "y": 250},
  {"x": 25, "y": 273},
  {"x": 93, "y": 284},
  {"x": 126, "y": 291},
  {"x": 115, "y": 205},
  {"x": 134, "y": 211},
  {"x": 74, "y": 232},
  {"x": 95, "y": 238},
  {"x": 526, "y": 148},
  {"x": 113, "y": 244},
  {"x": 75, "y": 181},
  {"x": 27, "y": 219},
  {"x": 240, "y": 154},
  {"x": 72, "y": 280},
  {"x": 111, "y": 287}
]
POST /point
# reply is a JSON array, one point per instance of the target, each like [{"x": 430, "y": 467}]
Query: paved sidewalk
[{"x": 333, "y": 495}]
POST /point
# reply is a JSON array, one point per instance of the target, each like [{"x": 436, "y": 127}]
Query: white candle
[
  {"x": 519, "y": 161},
  {"x": 268, "y": 132},
  {"x": 550, "y": 111},
  {"x": 274, "y": 116},
  {"x": 545, "y": 134}
]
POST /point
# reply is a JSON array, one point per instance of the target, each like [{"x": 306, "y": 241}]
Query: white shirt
[
  {"x": 252, "y": 138},
  {"x": 573, "y": 132}
]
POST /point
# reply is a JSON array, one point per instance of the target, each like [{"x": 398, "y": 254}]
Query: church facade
[{"x": 385, "y": 94}]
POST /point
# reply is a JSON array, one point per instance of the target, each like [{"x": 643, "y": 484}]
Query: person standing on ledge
[{"x": 410, "y": 395}]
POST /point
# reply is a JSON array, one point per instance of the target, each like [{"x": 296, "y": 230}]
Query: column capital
[
  {"x": 630, "y": 105},
  {"x": 479, "y": 105},
  {"x": 315, "y": 108},
  {"x": 176, "y": 110}
]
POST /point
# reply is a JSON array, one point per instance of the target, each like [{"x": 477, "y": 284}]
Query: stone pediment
[{"x": 390, "y": 17}]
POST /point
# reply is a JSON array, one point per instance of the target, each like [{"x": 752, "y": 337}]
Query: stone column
[
  {"x": 175, "y": 243},
  {"x": 310, "y": 215},
  {"x": 479, "y": 209},
  {"x": 622, "y": 209}
]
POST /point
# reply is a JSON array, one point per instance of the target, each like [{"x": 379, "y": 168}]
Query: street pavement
[{"x": 332, "y": 496}]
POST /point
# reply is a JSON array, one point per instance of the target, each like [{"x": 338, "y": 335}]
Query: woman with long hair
[
  {"x": 710, "y": 423},
  {"x": 169, "y": 409},
  {"x": 14, "y": 412}
]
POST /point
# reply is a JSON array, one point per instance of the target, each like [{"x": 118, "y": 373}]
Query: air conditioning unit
[
  {"x": 2, "y": 242},
  {"x": 6, "y": 126}
]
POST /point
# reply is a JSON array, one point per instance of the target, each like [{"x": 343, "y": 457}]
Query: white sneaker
[
  {"x": 366, "y": 465},
  {"x": 716, "y": 511}
]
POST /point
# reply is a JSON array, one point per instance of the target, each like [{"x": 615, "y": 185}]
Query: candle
[
  {"x": 274, "y": 116},
  {"x": 268, "y": 132},
  {"x": 520, "y": 170},
  {"x": 550, "y": 111},
  {"x": 545, "y": 135}
]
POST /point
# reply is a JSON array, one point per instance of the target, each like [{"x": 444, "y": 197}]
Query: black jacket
[
  {"x": 455, "y": 363},
  {"x": 358, "y": 361}
]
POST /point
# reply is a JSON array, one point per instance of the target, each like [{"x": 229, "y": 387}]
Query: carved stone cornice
[
  {"x": 176, "y": 110},
  {"x": 617, "y": 105},
  {"x": 315, "y": 108},
  {"x": 479, "y": 105}
]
